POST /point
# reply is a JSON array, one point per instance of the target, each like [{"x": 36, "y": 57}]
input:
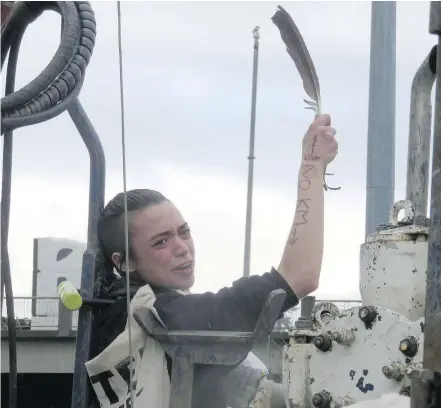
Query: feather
[{"x": 297, "y": 50}]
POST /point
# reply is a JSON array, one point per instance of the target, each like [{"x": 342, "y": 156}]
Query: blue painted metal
[{"x": 380, "y": 177}]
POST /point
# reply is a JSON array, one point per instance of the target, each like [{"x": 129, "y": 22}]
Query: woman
[{"x": 162, "y": 255}]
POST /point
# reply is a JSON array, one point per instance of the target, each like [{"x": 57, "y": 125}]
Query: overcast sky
[{"x": 188, "y": 89}]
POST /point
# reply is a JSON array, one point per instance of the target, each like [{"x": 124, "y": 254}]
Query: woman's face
[{"x": 163, "y": 246}]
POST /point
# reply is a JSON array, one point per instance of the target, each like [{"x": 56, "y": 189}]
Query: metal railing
[{"x": 51, "y": 315}]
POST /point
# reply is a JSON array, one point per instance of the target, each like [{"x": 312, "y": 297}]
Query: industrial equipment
[{"x": 333, "y": 357}]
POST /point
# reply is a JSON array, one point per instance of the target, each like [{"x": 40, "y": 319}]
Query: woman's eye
[
  {"x": 185, "y": 233},
  {"x": 161, "y": 242}
]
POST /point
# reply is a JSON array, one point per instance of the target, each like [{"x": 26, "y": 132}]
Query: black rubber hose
[
  {"x": 6, "y": 279},
  {"x": 37, "y": 102},
  {"x": 67, "y": 81},
  {"x": 7, "y": 144},
  {"x": 62, "y": 57},
  {"x": 12, "y": 330}
]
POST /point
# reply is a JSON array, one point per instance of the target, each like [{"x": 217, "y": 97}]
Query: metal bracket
[{"x": 187, "y": 348}]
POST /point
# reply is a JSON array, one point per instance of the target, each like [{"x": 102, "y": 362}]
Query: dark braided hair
[{"x": 111, "y": 231}]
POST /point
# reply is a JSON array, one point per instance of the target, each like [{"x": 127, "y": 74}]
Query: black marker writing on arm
[
  {"x": 302, "y": 257},
  {"x": 307, "y": 172}
]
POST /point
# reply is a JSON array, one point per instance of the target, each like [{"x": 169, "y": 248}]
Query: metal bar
[
  {"x": 306, "y": 306},
  {"x": 432, "y": 330},
  {"x": 8, "y": 147},
  {"x": 380, "y": 181},
  {"x": 249, "y": 211},
  {"x": 64, "y": 316},
  {"x": 181, "y": 386},
  {"x": 420, "y": 133},
  {"x": 80, "y": 391},
  {"x": 426, "y": 385}
]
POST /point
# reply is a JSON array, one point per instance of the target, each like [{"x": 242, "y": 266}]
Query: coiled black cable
[
  {"x": 6, "y": 281},
  {"x": 36, "y": 102},
  {"x": 45, "y": 97}
]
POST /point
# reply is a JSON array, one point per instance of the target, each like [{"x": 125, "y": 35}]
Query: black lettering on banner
[
  {"x": 128, "y": 402},
  {"x": 103, "y": 380},
  {"x": 124, "y": 371}
]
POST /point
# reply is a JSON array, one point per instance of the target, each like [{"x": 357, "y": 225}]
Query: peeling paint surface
[
  {"x": 393, "y": 276},
  {"x": 352, "y": 372}
]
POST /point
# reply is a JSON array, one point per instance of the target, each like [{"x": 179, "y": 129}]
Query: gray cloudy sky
[{"x": 187, "y": 87}]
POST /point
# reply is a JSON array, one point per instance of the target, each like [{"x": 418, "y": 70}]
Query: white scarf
[{"x": 109, "y": 373}]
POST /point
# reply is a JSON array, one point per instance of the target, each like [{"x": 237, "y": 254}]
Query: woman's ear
[{"x": 116, "y": 258}]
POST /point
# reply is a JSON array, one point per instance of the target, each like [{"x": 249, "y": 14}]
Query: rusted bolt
[
  {"x": 412, "y": 368},
  {"x": 367, "y": 314},
  {"x": 408, "y": 371},
  {"x": 405, "y": 391},
  {"x": 387, "y": 371},
  {"x": 343, "y": 336},
  {"x": 323, "y": 342},
  {"x": 394, "y": 371},
  {"x": 409, "y": 346},
  {"x": 322, "y": 399}
]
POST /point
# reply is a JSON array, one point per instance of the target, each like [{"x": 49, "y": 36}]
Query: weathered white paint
[
  {"x": 350, "y": 373},
  {"x": 393, "y": 266},
  {"x": 296, "y": 370}
]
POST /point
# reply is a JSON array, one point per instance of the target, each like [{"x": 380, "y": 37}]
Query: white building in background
[{"x": 55, "y": 259}]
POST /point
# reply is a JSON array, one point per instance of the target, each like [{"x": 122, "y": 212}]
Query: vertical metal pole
[
  {"x": 247, "y": 252},
  {"x": 426, "y": 385},
  {"x": 432, "y": 331},
  {"x": 420, "y": 134},
  {"x": 380, "y": 181},
  {"x": 85, "y": 335}
]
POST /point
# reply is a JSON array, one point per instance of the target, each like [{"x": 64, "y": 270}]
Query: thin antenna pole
[
  {"x": 246, "y": 263},
  {"x": 126, "y": 220}
]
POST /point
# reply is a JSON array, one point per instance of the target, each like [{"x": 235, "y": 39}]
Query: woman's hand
[{"x": 319, "y": 142}]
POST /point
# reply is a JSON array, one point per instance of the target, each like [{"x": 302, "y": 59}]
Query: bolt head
[{"x": 317, "y": 399}]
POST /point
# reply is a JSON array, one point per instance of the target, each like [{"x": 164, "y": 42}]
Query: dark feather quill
[{"x": 297, "y": 50}]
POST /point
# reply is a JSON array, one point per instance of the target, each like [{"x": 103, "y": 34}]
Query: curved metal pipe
[
  {"x": 420, "y": 123},
  {"x": 60, "y": 82},
  {"x": 41, "y": 100},
  {"x": 6, "y": 280}
]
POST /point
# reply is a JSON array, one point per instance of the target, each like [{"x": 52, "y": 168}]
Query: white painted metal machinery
[{"x": 335, "y": 358}]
